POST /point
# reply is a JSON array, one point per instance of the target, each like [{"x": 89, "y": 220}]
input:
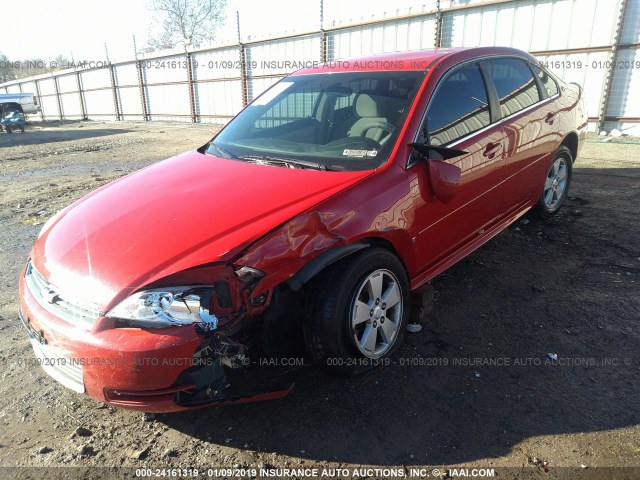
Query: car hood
[{"x": 180, "y": 213}]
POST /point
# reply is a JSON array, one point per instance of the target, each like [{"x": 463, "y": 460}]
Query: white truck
[{"x": 20, "y": 102}]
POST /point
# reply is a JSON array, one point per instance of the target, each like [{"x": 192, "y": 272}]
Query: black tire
[
  {"x": 554, "y": 191},
  {"x": 9, "y": 130},
  {"x": 21, "y": 129},
  {"x": 331, "y": 310}
]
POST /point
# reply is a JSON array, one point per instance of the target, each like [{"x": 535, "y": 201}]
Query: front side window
[
  {"x": 460, "y": 106},
  {"x": 339, "y": 121},
  {"x": 514, "y": 84}
]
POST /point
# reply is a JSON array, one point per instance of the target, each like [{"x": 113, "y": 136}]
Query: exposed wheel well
[
  {"x": 281, "y": 319},
  {"x": 331, "y": 256},
  {"x": 386, "y": 244},
  {"x": 571, "y": 142}
]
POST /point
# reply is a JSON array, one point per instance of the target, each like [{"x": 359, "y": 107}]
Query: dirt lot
[{"x": 567, "y": 287}]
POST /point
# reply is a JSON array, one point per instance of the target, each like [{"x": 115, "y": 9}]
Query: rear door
[
  {"x": 529, "y": 127},
  {"x": 459, "y": 115}
]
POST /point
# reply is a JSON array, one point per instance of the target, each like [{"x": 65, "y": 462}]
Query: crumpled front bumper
[{"x": 133, "y": 368}]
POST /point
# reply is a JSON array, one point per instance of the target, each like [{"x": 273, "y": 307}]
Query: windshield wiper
[
  {"x": 223, "y": 152},
  {"x": 288, "y": 162}
]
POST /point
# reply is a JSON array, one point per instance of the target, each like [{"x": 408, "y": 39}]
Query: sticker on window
[{"x": 359, "y": 153}]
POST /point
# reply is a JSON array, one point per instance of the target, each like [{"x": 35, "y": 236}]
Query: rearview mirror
[{"x": 339, "y": 91}]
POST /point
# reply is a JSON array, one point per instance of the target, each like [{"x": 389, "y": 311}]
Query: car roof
[{"x": 415, "y": 60}]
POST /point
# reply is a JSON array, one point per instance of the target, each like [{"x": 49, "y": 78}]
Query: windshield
[{"x": 335, "y": 121}]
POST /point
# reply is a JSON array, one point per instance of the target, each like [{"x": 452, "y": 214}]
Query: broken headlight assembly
[
  {"x": 167, "y": 307},
  {"x": 249, "y": 275}
]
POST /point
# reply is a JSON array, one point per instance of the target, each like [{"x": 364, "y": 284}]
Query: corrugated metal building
[{"x": 595, "y": 43}]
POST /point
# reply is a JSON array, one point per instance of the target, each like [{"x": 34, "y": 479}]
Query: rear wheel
[
  {"x": 21, "y": 128},
  {"x": 357, "y": 312},
  {"x": 556, "y": 183}
]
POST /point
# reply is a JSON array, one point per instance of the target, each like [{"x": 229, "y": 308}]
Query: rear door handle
[
  {"x": 491, "y": 149},
  {"x": 550, "y": 118}
]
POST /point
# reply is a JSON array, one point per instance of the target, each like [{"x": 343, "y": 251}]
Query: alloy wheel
[{"x": 376, "y": 314}]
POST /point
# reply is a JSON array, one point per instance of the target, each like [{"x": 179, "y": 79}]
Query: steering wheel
[{"x": 384, "y": 126}]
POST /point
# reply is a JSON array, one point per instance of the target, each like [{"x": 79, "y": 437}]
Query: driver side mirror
[{"x": 443, "y": 177}]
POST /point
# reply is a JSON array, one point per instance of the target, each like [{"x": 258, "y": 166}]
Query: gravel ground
[{"x": 567, "y": 287}]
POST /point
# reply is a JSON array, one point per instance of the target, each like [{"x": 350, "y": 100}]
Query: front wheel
[
  {"x": 357, "y": 312},
  {"x": 9, "y": 130},
  {"x": 556, "y": 183}
]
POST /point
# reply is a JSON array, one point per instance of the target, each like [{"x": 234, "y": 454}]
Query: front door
[{"x": 459, "y": 116}]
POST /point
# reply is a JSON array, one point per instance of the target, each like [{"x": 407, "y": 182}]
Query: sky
[{"x": 79, "y": 29}]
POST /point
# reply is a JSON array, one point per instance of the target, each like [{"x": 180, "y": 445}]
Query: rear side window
[
  {"x": 514, "y": 84},
  {"x": 460, "y": 106},
  {"x": 548, "y": 82}
]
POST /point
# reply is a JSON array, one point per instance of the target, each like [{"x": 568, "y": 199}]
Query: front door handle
[
  {"x": 550, "y": 118},
  {"x": 492, "y": 149}
]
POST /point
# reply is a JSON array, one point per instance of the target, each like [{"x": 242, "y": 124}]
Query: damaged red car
[{"x": 300, "y": 230}]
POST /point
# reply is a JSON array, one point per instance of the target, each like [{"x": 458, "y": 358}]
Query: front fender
[{"x": 380, "y": 208}]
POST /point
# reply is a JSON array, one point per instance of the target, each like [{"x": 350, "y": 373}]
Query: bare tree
[
  {"x": 15, "y": 69},
  {"x": 6, "y": 70},
  {"x": 185, "y": 22}
]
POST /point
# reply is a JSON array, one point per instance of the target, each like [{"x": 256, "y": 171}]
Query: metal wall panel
[
  {"x": 458, "y": 3},
  {"x": 550, "y": 27},
  {"x": 29, "y": 87},
  {"x": 47, "y": 86},
  {"x": 624, "y": 99},
  {"x": 99, "y": 78},
  {"x": 405, "y": 34},
  {"x": 49, "y": 106},
  {"x": 99, "y": 104},
  {"x": 533, "y": 26},
  {"x": 67, "y": 83},
  {"x": 168, "y": 100},
  {"x": 277, "y": 57},
  {"x": 216, "y": 64},
  {"x": 165, "y": 69},
  {"x": 71, "y": 108},
  {"x": 217, "y": 102},
  {"x": 126, "y": 74},
  {"x": 624, "y": 91},
  {"x": 605, "y": 17},
  {"x": 541, "y": 26},
  {"x": 585, "y": 69},
  {"x": 631, "y": 28},
  {"x": 130, "y": 103},
  {"x": 582, "y": 22}
]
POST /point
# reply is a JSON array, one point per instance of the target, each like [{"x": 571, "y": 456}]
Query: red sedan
[{"x": 300, "y": 229}]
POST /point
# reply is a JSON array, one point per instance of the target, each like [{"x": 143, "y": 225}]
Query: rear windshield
[{"x": 343, "y": 121}]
